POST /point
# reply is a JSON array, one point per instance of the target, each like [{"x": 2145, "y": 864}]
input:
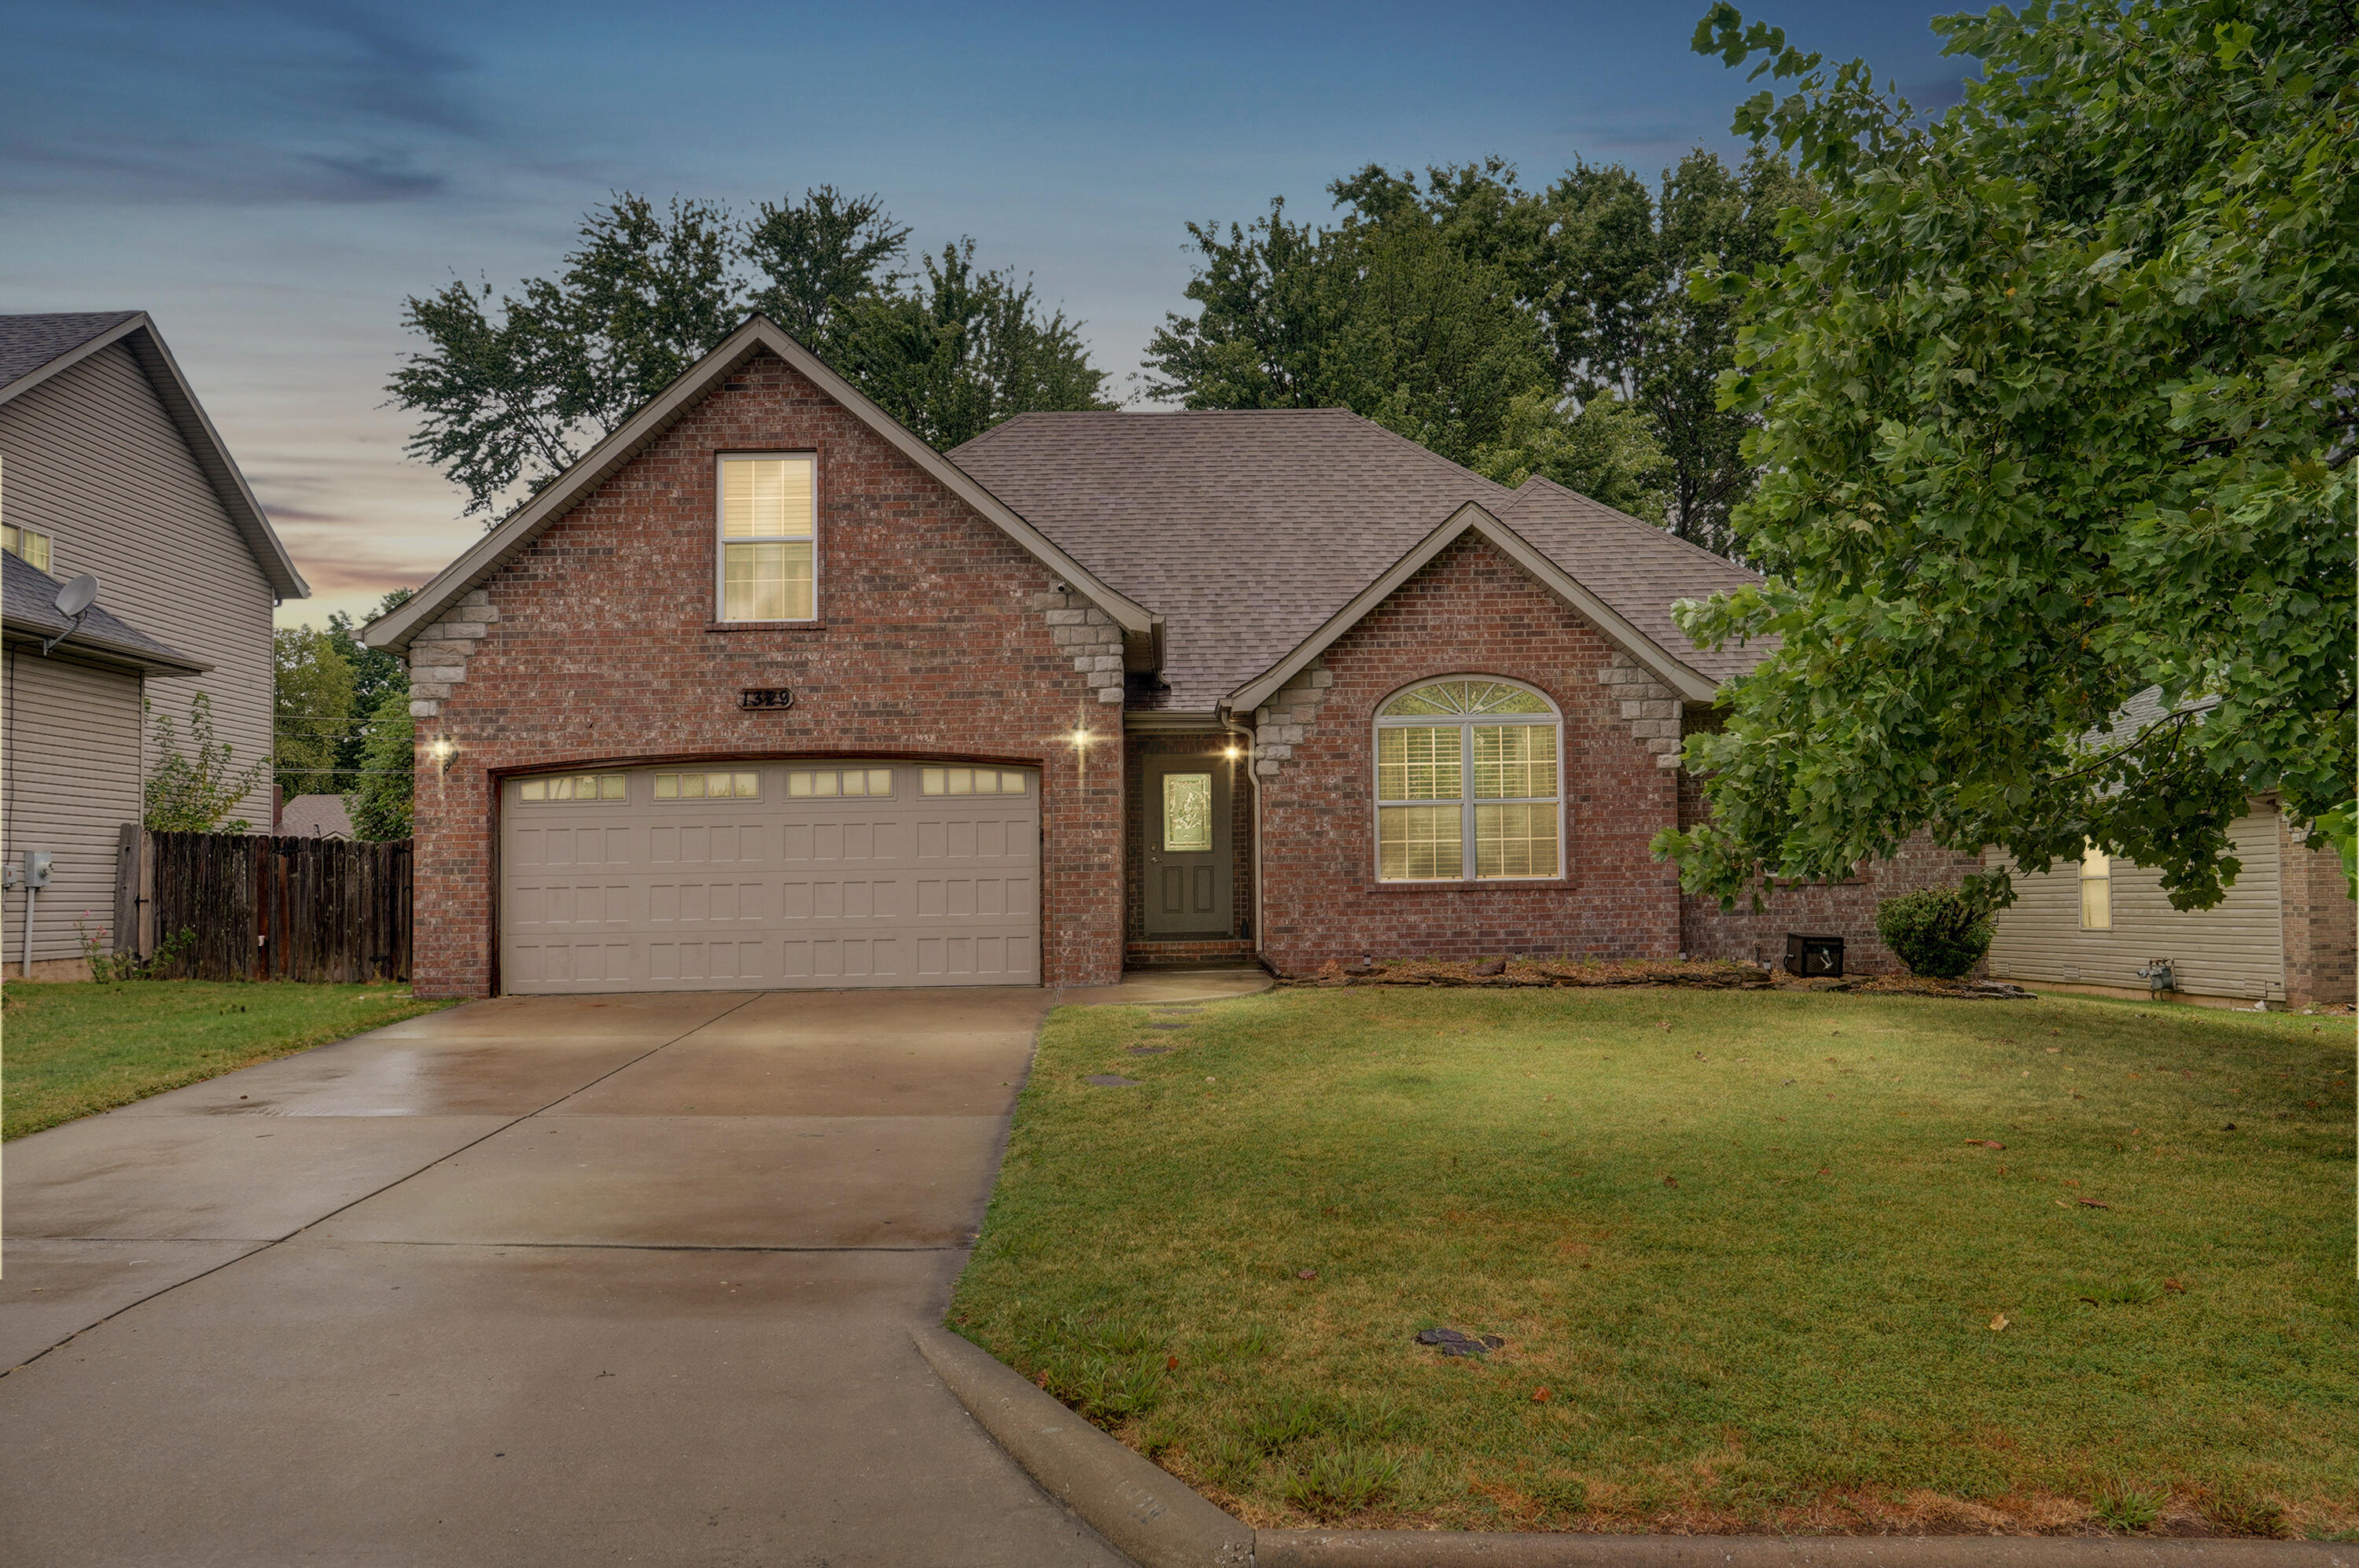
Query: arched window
[{"x": 1467, "y": 784}]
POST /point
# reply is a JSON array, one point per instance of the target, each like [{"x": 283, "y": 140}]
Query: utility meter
[{"x": 37, "y": 868}]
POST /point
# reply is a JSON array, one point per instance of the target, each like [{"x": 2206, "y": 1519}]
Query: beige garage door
[{"x": 734, "y": 877}]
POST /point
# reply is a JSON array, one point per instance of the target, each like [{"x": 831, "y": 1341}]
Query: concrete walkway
[{"x": 532, "y": 1282}]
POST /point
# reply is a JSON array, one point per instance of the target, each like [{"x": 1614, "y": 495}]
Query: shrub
[{"x": 1936, "y": 931}]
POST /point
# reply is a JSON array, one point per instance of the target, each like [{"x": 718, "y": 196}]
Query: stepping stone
[
  {"x": 1113, "y": 1081},
  {"x": 1175, "y": 1023},
  {"x": 1149, "y": 1050},
  {"x": 1453, "y": 1342}
]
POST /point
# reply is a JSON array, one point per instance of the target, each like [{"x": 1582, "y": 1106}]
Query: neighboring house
[
  {"x": 316, "y": 816},
  {"x": 764, "y": 692},
  {"x": 109, "y": 467},
  {"x": 2284, "y": 933}
]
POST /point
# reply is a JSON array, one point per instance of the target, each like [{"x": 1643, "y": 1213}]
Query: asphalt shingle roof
[
  {"x": 28, "y": 343},
  {"x": 29, "y": 606},
  {"x": 1246, "y": 529}
]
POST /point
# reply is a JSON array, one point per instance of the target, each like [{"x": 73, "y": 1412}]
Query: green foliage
[
  {"x": 2127, "y": 1509},
  {"x": 192, "y": 790},
  {"x": 1936, "y": 931},
  {"x": 1605, "y": 449},
  {"x": 377, "y": 674},
  {"x": 108, "y": 967},
  {"x": 956, "y": 355},
  {"x": 514, "y": 396},
  {"x": 381, "y": 803},
  {"x": 2056, "y": 390},
  {"x": 1380, "y": 314},
  {"x": 311, "y": 709},
  {"x": 1466, "y": 313}
]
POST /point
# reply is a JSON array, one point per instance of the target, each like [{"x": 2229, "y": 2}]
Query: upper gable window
[
  {"x": 1467, "y": 784},
  {"x": 768, "y": 538}
]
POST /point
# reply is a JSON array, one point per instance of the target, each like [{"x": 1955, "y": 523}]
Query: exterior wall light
[{"x": 442, "y": 748}]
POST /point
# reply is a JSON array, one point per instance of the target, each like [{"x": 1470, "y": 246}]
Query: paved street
[{"x": 531, "y": 1281}]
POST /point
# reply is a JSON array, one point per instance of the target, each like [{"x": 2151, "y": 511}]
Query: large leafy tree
[
  {"x": 1380, "y": 314},
  {"x": 510, "y": 395},
  {"x": 1479, "y": 317},
  {"x": 311, "y": 709},
  {"x": 2056, "y": 391}
]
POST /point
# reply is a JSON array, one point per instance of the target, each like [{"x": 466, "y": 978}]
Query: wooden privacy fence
[{"x": 263, "y": 907}]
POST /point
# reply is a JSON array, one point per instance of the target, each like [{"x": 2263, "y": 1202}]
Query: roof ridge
[
  {"x": 1620, "y": 516},
  {"x": 1425, "y": 453}
]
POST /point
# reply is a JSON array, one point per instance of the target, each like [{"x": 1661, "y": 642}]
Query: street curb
[
  {"x": 1159, "y": 1522},
  {"x": 1146, "y": 1513},
  {"x": 1481, "y": 1549}
]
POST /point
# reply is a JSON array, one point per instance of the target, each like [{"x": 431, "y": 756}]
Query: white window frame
[
  {"x": 721, "y": 541},
  {"x": 2089, "y": 851},
  {"x": 1466, "y": 801}
]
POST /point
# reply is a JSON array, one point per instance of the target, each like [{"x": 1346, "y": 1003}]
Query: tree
[
  {"x": 377, "y": 674},
  {"x": 1380, "y": 314},
  {"x": 1604, "y": 448},
  {"x": 953, "y": 352},
  {"x": 311, "y": 709},
  {"x": 381, "y": 803},
  {"x": 191, "y": 792},
  {"x": 513, "y": 397},
  {"x": 2056, "y": 390},
  {"x": 1475, "y": 292}
]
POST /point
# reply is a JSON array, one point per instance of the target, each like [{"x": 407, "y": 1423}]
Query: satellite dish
[{"x": 77, "y": 596}]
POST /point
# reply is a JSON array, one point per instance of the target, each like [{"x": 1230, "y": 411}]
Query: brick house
[{"x": 765, "y": 692}]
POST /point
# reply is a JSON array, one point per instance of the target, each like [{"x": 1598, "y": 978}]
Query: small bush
[{"x": 1935, "y": 932}]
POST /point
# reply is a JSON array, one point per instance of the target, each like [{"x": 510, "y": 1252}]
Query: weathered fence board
[{"x": 262, "y": 908}]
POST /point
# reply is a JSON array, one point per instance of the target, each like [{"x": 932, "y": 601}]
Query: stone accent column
[
  {"x": 1281, "y": 725},
  {"x": 438, "y": 654},
  {"x": 1090, "y": 636},
  {"x": 1651, "y": 711}
]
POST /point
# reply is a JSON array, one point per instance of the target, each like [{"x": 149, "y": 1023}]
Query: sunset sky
[{"x": 269, "y": 180}]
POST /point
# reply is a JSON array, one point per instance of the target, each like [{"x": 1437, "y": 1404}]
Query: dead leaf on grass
[
  {"x": 1539, "y": 1395},
  {"x": 2094, "y": 1203},
  {"x": 2174, "y": 1285},
  {"x": 1306, "y": 1274},
  {"x": 1999, "y": 1323},
  {"x": 1670, "y": 1181}
]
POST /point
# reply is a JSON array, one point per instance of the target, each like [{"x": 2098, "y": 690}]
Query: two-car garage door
[{"x": 741, "y": 875}]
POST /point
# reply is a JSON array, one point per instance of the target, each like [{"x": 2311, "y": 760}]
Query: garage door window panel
[
  {"x": 578, "y": 788},
  {"x": 769, "y": 537}
]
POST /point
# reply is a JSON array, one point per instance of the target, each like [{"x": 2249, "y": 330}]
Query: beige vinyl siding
[
  {"x": 2234, "y": 949},
  {"x": 73, "y": 780},
  {"x": 93, "y": 460}
]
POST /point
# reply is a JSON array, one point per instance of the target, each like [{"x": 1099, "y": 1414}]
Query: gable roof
[
  {"x": 1251, "y": 530},
  {"x": 503, "y": 543},
  {"x": 29, "y": 608},
  {"x": 34, "y": 349}
]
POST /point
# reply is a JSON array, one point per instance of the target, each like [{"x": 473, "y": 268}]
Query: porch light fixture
[
  {"x": 442, "y": 748},
  {"x": 1081, "y": 740}
]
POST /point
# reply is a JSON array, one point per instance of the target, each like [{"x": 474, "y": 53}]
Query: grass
[
  {"x": 70, "y": 1049},
  {"x": 1751, "y": 1270}
]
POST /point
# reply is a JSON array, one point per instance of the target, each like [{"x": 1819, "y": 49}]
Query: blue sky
[{"x": 271, "y": 179}]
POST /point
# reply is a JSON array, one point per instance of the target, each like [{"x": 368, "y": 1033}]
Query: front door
[{"x": 1186, "y": 847}]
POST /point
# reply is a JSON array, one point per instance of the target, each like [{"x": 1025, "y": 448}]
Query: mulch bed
[{"x": 1523, "y": 973}]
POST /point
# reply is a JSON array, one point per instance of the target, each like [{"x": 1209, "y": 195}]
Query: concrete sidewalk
[{"x": 532, "y": 1282}]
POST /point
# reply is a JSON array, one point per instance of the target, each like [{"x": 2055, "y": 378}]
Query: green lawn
[
  {"x": 67, "y": 1051},
  {"x": 1752, "y": 1270}
]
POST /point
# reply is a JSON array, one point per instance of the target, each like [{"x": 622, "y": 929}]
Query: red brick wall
[
  {"x": 602, "y": 654},
  {"x": 1846, "y": 910},
  {"x": 2319, "y": 925},
  {"x": 1470, "y": 611},
  {"x": 1209, "y": 746}
]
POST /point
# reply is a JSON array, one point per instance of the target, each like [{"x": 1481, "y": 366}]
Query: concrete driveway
[{"x": 546, "y": 1280}]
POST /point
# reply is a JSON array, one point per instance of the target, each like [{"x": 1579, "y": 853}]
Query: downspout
[{"x": 1253, "y": 778}]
